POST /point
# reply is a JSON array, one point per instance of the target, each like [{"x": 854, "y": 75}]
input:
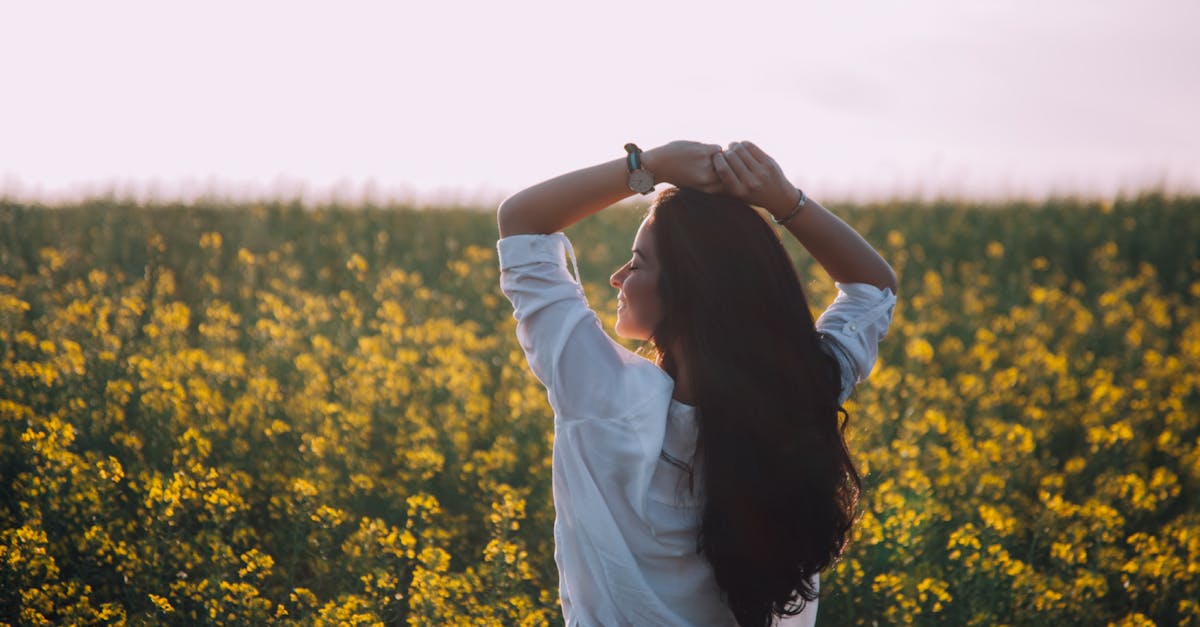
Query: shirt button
[{"x": 854, "y": 327}]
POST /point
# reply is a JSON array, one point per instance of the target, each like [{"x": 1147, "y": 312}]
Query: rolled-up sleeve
[
  {"x": 586, "y": 373},
  {"x": 853, "y": 326}
]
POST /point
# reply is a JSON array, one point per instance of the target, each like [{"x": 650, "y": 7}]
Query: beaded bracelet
[{"x": 799, "y": 206}]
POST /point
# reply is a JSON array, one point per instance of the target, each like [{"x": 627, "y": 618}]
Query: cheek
[{"x": 646, "y": 297}]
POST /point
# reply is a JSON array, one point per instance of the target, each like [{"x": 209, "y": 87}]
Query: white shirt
[{"x": 625, "y": 525}]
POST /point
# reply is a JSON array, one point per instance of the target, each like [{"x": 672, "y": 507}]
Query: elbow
[
  {"x": 505, "y": 222},
  {"x": 506, "y": 206},
  {"x": 516, "y": 217},
  {"x": 891, "y": 281},
  {"x": 500, "y": 218},
  {"x": 884, "y": 278}
]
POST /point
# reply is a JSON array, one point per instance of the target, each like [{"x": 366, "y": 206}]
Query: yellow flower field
[{"x": 270, "y": 415}]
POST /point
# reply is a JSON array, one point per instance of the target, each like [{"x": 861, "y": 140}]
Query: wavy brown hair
[{"x": 780, "y": 489}]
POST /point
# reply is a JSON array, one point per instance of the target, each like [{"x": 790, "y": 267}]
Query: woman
[{"x": 711, "y": 486}]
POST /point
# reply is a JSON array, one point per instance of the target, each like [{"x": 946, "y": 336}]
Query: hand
[
  {"x": 684, "y": 164},
  {"x": 749, "y": 174}
]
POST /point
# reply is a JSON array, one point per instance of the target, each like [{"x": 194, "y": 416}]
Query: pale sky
[{"x": 471, "y": 100}]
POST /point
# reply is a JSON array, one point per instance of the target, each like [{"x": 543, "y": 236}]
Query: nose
[{"x": 617, "y": 278}]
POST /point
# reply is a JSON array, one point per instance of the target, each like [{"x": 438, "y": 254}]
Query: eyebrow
[{"x": 638, "y": 252}]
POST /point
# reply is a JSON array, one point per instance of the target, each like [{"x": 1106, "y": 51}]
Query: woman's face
[{"x": 638, "y": 306}]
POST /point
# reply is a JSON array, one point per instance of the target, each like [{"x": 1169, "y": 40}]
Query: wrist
[
  {"x": 656, "y": 162},
  {"x": 786, "y": 203}
]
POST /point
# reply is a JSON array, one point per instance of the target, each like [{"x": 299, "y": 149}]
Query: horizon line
[{"x": 346, "y": 192}]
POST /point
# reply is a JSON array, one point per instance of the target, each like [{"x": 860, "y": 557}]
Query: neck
[{"x": 683, "y": 383}]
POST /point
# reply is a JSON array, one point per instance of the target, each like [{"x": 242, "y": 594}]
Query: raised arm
[
  {"x": 748, "y": 173},
  {"x": 557, "y": 203}
]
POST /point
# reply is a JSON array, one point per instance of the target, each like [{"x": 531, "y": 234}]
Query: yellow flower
[
  {"x": 162, "y": 604},
  {"x": 919, "y": 350}
]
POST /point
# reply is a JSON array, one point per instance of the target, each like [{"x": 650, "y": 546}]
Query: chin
[{"x": 623, "y": 332}]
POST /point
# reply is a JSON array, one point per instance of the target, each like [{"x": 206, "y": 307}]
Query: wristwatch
[{"x": 640, "y": 179}]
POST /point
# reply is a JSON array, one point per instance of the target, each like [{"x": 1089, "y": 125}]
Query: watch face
[{"x": 641, "y": 181}]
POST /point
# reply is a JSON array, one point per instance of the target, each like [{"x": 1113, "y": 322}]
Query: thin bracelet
[{"x": 799, "y": 206}]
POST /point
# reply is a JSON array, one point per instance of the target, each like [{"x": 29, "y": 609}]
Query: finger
[
  {"x": 743, "y": 150},
  {"x": 734, "y": 158},
  {"x": 758, "y": 153},
  {"x": 766, "y": 167},
  {"x": 729, "y": 179}
]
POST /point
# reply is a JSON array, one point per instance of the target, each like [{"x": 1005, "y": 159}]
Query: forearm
[
  {"x": 845, "y": 255},
  {"x": 557, "y": 203},
  {"x": 752, "y": 175}
]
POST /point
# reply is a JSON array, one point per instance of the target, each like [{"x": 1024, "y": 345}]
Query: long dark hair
[{"x": 779, "y": 486}]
